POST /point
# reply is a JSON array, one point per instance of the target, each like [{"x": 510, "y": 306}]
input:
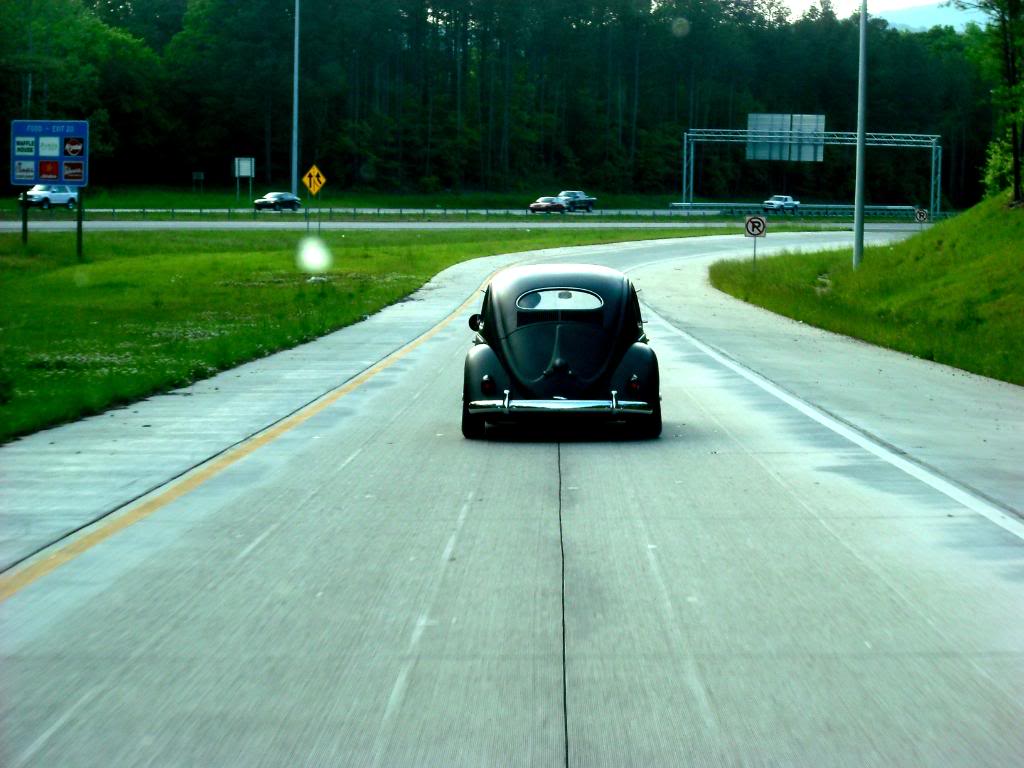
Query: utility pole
[
  {"x": 862, "y": 86},
  {"x": 295, "y": 108}
]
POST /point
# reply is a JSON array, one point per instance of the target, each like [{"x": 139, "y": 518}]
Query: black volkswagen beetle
[{"x": 560, "y": 339}]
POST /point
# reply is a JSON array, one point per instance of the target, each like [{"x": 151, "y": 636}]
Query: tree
[{"x": 1007, "y": 30}]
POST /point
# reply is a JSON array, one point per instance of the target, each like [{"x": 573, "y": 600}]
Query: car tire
[
  {"x": 590, "y": 209},
  {"x": 45, "y": 204},
  {"x": 473, "y": 424},
  {"x": 277, "y": 207},
  {"x": 71, "y": 205}
]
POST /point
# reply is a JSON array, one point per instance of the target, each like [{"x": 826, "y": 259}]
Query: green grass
[
  {"x": 953, "y": 294},
  {"x": 150, "y": 312}
]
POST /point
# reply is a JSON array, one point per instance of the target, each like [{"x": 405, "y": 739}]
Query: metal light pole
[
  {"x": 858, "y": 197},
  {"x": 295, "y": 108}
]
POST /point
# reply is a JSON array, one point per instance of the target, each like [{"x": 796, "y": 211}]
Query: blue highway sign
[{"x": 50, "y": 152}]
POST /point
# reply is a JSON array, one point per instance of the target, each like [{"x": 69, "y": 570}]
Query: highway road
[
  {"x": 302, "y": 562},
  {"x": 298, "y": 223}
]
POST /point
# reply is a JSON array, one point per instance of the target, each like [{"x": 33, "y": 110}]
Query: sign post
[
  {"x": 755, "y": 227},
  {"x": 314, "y": 180},
  {"x": 50, "y": 152},
  {"x": 24, "y": 223},
  {"x": 245, "y": 168}
]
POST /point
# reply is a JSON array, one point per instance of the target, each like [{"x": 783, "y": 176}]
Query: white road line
[
  {"x": 45, "y": 735},
  {"x": 911, "y": 605},
  {"x": 949, "y": 489}
]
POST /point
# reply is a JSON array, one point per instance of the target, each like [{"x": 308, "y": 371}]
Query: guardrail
[
  {"x": 337, "y": 213},
  {"x": 813, "y": 210}
]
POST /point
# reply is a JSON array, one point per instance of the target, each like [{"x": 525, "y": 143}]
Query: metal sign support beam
[{"x": 831, "y": 138}]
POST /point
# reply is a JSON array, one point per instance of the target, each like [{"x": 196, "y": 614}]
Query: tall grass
[
  {"x": 953, "y": 294},
  {"x": 149, "y": 312}
]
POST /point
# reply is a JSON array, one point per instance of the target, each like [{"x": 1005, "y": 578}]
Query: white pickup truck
[{"x": 782, "y": 203}]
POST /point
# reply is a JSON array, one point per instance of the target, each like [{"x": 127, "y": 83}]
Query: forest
[{"x": 410, "y": 95}]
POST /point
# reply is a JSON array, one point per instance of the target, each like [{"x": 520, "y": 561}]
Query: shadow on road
[{"x": 565, "y": 430}]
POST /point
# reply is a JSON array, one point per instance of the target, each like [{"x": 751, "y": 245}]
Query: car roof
[
  {"x": 513, "y": 282},
  {"x": 501, "y": 311}
]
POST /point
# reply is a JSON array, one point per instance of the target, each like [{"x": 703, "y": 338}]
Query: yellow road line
[{"x": 18, "y": 578}]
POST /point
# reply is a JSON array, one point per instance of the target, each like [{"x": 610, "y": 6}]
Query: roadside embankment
[{"x": 953, "y": 294}]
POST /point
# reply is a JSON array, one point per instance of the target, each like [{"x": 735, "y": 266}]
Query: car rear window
[
  {"x": 559, "y": 304},
  {"x": 559, "y": 299}
]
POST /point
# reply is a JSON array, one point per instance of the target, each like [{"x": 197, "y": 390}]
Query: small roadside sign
[
  {"x": 245, "y": 167},
  {"x": 314, "y": 180},
  {"x": 920, "y": 215},
  {"x": 756, "y": 226}
]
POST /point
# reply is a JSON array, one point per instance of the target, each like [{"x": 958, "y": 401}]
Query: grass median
[
  {"x": 153, "y": 311},
  {"x": 953, "y": 294}
]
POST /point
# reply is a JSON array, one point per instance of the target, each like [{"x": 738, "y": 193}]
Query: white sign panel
[
  {"x": 49, "y": 146},
  {"x": 794, "y": 137},
  {"x": 25, "y": 145},
  {"x": 24, "y": 170},
  {"x": 245, "y": 167},
  {"x": 756, "y": 226}
]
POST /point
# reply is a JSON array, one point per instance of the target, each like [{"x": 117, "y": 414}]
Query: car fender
[
  {"x": 482, "y": 361},
  {"x": 639, "y": 360}
]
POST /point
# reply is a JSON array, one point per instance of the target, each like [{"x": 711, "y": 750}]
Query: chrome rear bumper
[{"x": 612, "y": 407}]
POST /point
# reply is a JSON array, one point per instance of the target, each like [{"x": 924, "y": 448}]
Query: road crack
[{"x": 561, "y": 544}]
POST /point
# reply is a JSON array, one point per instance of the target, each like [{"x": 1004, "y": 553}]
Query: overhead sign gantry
[{"x": 809, "y": 138}]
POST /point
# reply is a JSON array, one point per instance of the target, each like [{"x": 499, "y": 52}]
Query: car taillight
[
  {"x": 633, "y": 385},
  {"x": 487, "y": 385}
]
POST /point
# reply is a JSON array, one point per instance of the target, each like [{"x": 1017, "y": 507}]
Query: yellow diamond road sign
[{"x": 314, "y": 180}]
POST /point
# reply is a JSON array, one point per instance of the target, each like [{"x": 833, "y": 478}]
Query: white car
[
  {"x": 45, "y": 195},
  {"x": 781, "y": 203}
]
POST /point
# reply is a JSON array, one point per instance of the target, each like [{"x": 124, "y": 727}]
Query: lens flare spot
[
  {"x": 680, "y": 27},
  {"x": 313, "y": 256}
]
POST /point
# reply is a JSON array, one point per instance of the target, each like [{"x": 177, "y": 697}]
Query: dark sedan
[
  {"x": 278, "y": 201},
  {"x": 560, "y": 340},
  {"x": 547, "y": 205}
]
